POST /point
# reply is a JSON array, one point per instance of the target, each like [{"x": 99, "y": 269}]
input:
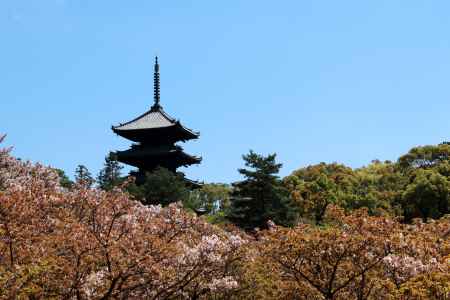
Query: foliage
[
  {"x": 378, "y": 187},
  {"x": 161, "y": 187},
  {"x": 91, "y": 244},
  {"x": 110, "y": 176},
  {"x": 84, "y": 243},
  {"x": 415, "y": 186},
  {"x": 83, "y": 176},
  {"x": 425, "y": 157},
  {"x": 212, "y": 198},
  {"x": 260, "y": 197},
  {"x": 358, "y": 257},
  {"x": 64, "y": 180},
  {"x": 427, "y": 169},
  {"x": 316, "y": 187},
  {"x": 427, "y": 196}
]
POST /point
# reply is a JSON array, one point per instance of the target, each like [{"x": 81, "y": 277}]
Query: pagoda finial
[{"x": 156, "y": 84}]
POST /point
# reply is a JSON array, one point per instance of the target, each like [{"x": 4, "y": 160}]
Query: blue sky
[{"x": 345, "y": 81}]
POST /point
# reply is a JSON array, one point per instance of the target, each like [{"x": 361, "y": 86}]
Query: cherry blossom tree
[
  {"x": 84, "y": 243},
  {"x": 91, "y": 244},
  {"x": 355, "y": 256}
]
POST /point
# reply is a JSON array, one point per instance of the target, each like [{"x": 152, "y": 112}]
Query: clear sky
[{"x": 345, "y": 81}]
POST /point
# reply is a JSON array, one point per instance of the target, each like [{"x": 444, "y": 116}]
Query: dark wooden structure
[{"x": 155, "y": 134}]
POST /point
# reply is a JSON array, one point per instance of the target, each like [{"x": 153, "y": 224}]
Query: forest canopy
[{"x": 377, "y": 232}]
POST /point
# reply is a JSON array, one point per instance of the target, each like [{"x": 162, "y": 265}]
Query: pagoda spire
[
  {"x": 155, "y": 136},
  {"x": 156, "y": 85}
]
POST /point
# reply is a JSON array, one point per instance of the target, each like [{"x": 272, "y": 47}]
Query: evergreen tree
[
  {"x": 261, "y": 196},
  {"x": 110, "y": 175},
  {"x": 161, "y": 187},
  {"x": 64, "y": 180},
  {"x": 83, "y": 176}
]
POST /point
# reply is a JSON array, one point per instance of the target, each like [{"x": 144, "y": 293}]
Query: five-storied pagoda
[{"x": 155, "y": 134}]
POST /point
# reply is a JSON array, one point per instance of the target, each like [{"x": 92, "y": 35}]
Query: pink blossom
[{"x": 226, "y": 283}]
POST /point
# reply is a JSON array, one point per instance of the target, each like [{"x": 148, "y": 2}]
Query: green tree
[
  {"x": 211, "y": 198},
  {"x": 444, "y": 169},
  {"x": 110, "y": 176},
  {"x": 427, "y": 196},
  {"x": 315, "y": 187},
  {"x": 425, "y": 157},
  {"x": 261, "y": 196},
  {"x": 427, "y": 170},
  {"x": 64, "y": 180},
  {"x": 161, "y": 187},
  {"x": 378, "y": 187},
  {"x": 83, "y": 176}
]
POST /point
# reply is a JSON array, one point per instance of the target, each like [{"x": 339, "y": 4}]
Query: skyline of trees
[
  {"x": 417, "y": 185},
  {"x": 88, "y": 243}
]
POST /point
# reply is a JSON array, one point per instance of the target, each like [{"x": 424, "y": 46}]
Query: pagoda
[{"x": 155, "y": 134}]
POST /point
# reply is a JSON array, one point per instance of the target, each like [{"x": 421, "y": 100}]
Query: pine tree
[
  {"x": 110, "y": 175},
  {"x": 64, "y": 180},
  {"x": 261, "y": 196},
  {"x": 83, "y": 176}
]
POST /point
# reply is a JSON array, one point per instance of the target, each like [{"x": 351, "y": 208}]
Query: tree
[
  {"x": 427, "y": 196},
  {"x": 425, "y": 157},
  {"x": 110, "y": 175},
  {"x": 357, "y": 257},
  {"x": 316, "y": 187},
  {"x": 87, "y": 243},
  {"x": 211, "y": 197},
  {"x": 161, "y": 187},
  {"x": 64, "y": 180},
  {"x": 83, "y": 176},
  {"x": 260, "y": 197},
  {"x": 378, "y": 187},
  {"x": 92, "y": 244},
  {"x": 427, "y": 172}
]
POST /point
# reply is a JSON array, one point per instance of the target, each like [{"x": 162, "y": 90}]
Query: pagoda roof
[
  {"x": 163, "y": 154},
  {"x": 146, "y": 151},
  {"x": 154, "y": 120},
  {"x": 156, "y": 117}
]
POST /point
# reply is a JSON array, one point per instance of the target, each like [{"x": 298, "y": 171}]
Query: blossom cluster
[
  {"x": 84, "y": 243},
  {"x": 90, "y": 244},
  {"x": 358, "y": 257},
  {"x": 406, "y": 266}
]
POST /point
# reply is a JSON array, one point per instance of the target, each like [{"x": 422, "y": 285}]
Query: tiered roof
[
  {"x": 153, "y": 125},
  {"x": 147, "y": 157}
]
